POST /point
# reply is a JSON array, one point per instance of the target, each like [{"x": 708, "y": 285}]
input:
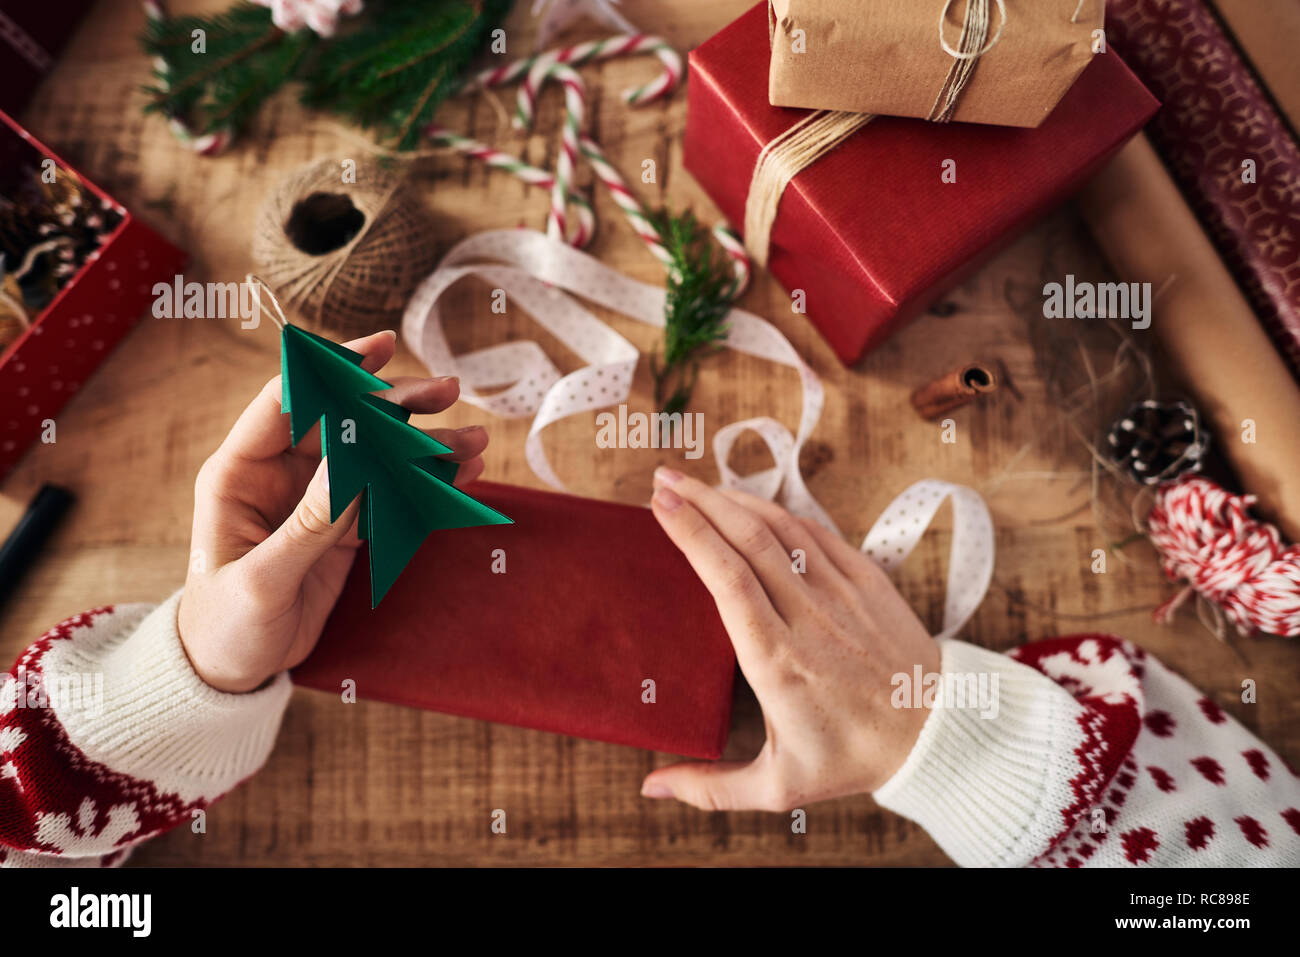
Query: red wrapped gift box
[
  {"x": 870, "y": 232},
  {"x": 593, "y": 600},
  {"x": 44, "y": 367}
]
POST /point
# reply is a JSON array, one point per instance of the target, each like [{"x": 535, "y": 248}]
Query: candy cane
[
  {"x": 578, "y": 55},
  {"x": 575, "y": 105},
  {"x": 531, "y": 175},
  {"x": 644, "y": 226},
  {"x": 558, "y": 64}
]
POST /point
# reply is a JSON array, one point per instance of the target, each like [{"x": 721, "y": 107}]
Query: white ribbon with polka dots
[
  {"x": 970, "y": 557},
  {"x": 534, "y": 270}
]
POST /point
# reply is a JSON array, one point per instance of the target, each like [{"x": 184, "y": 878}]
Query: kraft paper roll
[{"x": 1214, "y": 344}]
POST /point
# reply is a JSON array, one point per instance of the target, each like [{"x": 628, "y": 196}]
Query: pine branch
[
  {"x": 397, "y": 68},
  {"x": 244, "y": 60},
  {"x": 699, "y": 293},
  {"x": 391, "y": 69}
]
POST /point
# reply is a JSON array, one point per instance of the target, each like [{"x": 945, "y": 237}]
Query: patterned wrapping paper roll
[
  {"x": 1266, "y": 33},
  {"x": 1215, "y": 118}
]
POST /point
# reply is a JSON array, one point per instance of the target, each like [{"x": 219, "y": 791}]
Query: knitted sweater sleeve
[
  {"x": 108, "y": 737},
  {"x": 1093, "y": 754}
]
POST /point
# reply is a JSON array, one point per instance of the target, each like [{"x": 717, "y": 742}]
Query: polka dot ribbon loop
[
  {"x": 538, "y": 273},
  {"x": 534, "y": 271},
  {"x": 970, "y": 559}
]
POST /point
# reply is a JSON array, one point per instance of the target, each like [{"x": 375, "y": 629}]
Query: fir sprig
[
  {"x": 243, "y": 58},
  {"x": 395, "y": 69},
  {"x": 389, "y": 70},
  {"x": 699, "y": 294}
]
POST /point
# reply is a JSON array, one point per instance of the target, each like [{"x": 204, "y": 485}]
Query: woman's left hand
[{"x": 266, "y": 562}]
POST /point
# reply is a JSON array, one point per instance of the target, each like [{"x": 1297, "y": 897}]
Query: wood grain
[{"x": 377, "y": 784}]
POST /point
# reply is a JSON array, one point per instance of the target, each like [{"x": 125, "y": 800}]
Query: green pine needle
[
  {"x": 399, "y": 65},
  {"x": 244, "y": 61},
  {"x": 390, "y": 69},
  {"x": 699, "y": 293}
]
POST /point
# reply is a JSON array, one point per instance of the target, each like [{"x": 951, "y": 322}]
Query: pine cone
[{"x": 1157, "y": 442}]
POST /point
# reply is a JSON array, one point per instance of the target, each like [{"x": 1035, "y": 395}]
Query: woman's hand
[
  {"x": 819, "y": 648},
  {"x": 266, "y": 563}
]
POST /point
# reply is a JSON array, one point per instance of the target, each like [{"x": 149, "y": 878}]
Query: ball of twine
[{"x": 345, "y": 255}]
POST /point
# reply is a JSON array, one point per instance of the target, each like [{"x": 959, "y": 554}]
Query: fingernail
[
  {"x": 666, "y": 499},
  {"x": 391, "y": 333},
  {"x": 468, "y": 428},
  {"x": 324, "y": 473},
  {"x": 447, "y": 378},
  {"x": 653, "y": 789},
  {"x": 668, "y": 476}
]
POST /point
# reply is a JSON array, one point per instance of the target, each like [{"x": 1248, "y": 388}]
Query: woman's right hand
[{"x": 820, "y": 649}]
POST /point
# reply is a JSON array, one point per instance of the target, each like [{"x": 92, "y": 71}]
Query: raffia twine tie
[{"x": 803, "y": 144}]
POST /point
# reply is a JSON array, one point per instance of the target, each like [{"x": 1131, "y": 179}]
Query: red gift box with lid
[
  {"x": 45, "y": 366},
  {"x": 871, "y": 233},
  {"x": 581, "y": 618}
]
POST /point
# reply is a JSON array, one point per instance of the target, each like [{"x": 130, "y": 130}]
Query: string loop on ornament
[{"x": 263, "y": 287}]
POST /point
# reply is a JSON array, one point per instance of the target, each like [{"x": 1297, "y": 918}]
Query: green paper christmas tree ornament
[{"x": 372, "y": 451}]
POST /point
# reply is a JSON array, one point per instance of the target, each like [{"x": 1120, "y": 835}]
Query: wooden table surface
[{"x": 377, "y": 784}]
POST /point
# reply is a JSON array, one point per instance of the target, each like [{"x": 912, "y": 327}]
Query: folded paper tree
[
  {"x": 581, "y": 618},
  {"x": 372, "y": 451}
]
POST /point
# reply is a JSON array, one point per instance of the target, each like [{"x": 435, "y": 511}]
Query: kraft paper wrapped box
[
  {"x": 874, "y": 231},
  {"x": 885, "y": 56}
]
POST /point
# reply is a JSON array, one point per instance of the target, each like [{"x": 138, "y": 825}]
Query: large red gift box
[
  {"x": 581, "y": 618},
  {"x": 871, "y": 233},
  {"x": 45, "y": 366}
]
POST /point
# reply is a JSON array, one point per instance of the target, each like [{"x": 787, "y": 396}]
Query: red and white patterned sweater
[{"x": 1098, "y": 755}]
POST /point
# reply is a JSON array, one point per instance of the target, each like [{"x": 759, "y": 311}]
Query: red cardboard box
[
  {"x": 556, "y": 622},
  {"x": 870, "y": 232},
  {"x": 46, "y": 365}
]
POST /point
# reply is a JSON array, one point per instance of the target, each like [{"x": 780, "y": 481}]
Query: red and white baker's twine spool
[{"x": 1207, "y": 539}]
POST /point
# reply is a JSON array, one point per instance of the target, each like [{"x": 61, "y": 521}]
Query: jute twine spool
[{"x": 345, "y": 255}]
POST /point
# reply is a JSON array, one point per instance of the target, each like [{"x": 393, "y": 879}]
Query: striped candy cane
[
  {"x": 578, "y": 55},
  {"x": 547, "y": 66},
  {"x": 575, "y": 107},
  {"x": 532, "y": 175},
  {"x": 558, "y": 64},
  {"x": 644, "y": 226}
]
